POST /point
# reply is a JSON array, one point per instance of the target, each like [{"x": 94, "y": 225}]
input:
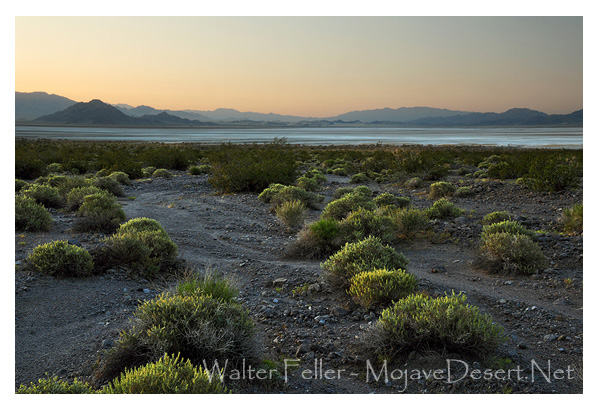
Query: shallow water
[{"x": 570, "y": 137}]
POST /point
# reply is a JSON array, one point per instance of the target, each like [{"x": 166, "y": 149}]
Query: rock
[
  {"x": 339, "y": 311},
  {"x": 314, "y": 288},
  {"x": 550, "y": 337},
  {"x": 302, "y": 349},
  {"x": 279, "y": 282},
  {"x": 74, "y": 241},
  {"x": 522, "y": 346},
  {"x": 107, "y": 343}
]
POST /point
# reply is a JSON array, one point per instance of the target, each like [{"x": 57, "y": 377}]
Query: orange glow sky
[{"x": 308, "y": 66}]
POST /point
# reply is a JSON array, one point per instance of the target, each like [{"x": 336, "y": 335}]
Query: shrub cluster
[
  {"x": 571, "y": 219},
  {"x": 441, "y": 189},
  {"x": 100, "y": 212},
  {"x": 109, "y": 184},
  {"x": 76, "y": 195},
  {"x": 162, "y": 173},
  {"x": 61, "y": 259},
  {"x": 277, "y": 194},
  {"x": 381, "y": 286},
  {"x": 444, "y": 324},
  {"x": 339, "y": 209},
  {"x": 292, "y": 213},
  {"x": 442, "y": 209},
  {"x": 508, "y": 253},
  {"x": 506, "y": 226},
  {"x": 44, "y": 194},
  {"x": 55, "y": 386},
  {"x": 31, "y": 216},
  {"x": 364, "y": 223},
  {"x": 496, "y": 217},
  {"x": 408, "y": 221},
  {"x": 389, "y": 200}
]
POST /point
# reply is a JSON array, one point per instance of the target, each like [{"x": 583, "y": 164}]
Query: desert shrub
[
  {"x": 103, "y": 172},
  {"x": 556, "y": 173},
  {"x": 30, "y": 215},
  {"x": 308, "y": 184},
  {"x": 480, "y": 174},
  {"x": 209, "y": 284},
  {"x": 61, "y": 259},
  {"x": 28, "y": 167},
  {"x": 510, "y": 227},
  {"x": 363, "y": 191},
  {"x": 462, "y": 192},
  {"x": 441, "y": 189},
  {"x": 362, "y": 223},
  {"x": 100, "y": 212},
  {"x": 76, "y": 195},
  {"x": 493, "y": 159},
  {"x": 339, "y": 171},
  {"x": 320, "y": 239},
  {"x": 414, "y": 182},
  {"x": 55, "y": 386},
  {"x": 444, "y": 324},
  {"x": 571, "y": 219},
  {"x": 239, "y": 169},
  {"x": 502, "y": 170},
  {"x": 462, "y": 171},
  {"x": 168, "y": 375},
  {"x": 496, "y": 217},
  {"x": 339, "y": 209},
  {"x": 142, "y": 245},
  {"x": 381, "y": 286},
  {"x": 358, "y": 178},
  {"x": 292, "y": 213},
  {"x": 201, "y": 169},
  {"x": 53, "y": 168},
  {"x": 20, "y": 184},
  {"x": 162, "y": 173},
  {"x": 443, "y": 209},
  {"x": 44, "y": 194},
  {"x": 56, "y": 180},
  {"x": 408, "y": 221},
  {"x": 366, "y": 255},
  {"x": 389, "y": 200},
  {"x": 110, "y": 185},
  {"x": 504, "y": 252},
  {"x": 148, "y": 171},
  {"x": 316, "y": 175},
  {"x": 342, "y": 191},
  {"x": 278, "y": 194},
  {"x": 67, "y": 184},
  {"x": 436, "y": 173},
  {"x": 197, "y": 326},
  {"x": 121, "y": 177}
]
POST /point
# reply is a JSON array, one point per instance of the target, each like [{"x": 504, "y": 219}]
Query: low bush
[
  {"x": 366, "y": 255},
  {"x": 320, "y": 239},
  {"x": 292, "y": 213},
  {"x": 148, "y": 171},
  {"x": 389, "y": 200},
  {"x": 556, "y": 173},
  {"x": 339, "y": 171},
  {"x": 308, "y": 184},
  {"x": 100, "y": 212},
  {"x": 44, "y": 194},
  {"x": 20, "y": 184},
  {"x": 571, "y": 219},
  {"x": 381, "y": 286},
  {"x": 69, "y": 183},
  {"x": 197, "y": 326},
  {"x": 339, "y": 209},
  {"x": 169, "y": 375},
  {"x": 121, "y": 177},
  {"x": 442, "y": 209},
  {"x": 445, "y": 324},
  {"x": 507, "y": 253},
  {"x": 408, "y": 221},
  {"x": 316, "y": 175},
  {"x": 502, "y": 170},
  {"x": 55, "y": 386},
  {"x": 510, "y": 227},
  {"x": 436, "y": 173},
  {"x": 363, "y": 223},
  {"x": 414, "y": 182},
  {"x": 210, "y": 284},
  {"x": 441, "y": 189},
  {"x": 278, "y": 194},
  {"x": 110, "y": 185},
  {"x": 496, "y": 217},
  {"x": 463, "y": 192},
  {"x": 76, "y": 195},
  {"x": 162, "y": 173},
  {"x": 30, "y": 215},
  {"x": 358, "y": 178},
  {"x": 61, "y": 259},
  {"x": 140, "y": 225}
]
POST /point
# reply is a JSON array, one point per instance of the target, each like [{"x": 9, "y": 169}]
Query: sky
[{"x": 306, "y": 66}]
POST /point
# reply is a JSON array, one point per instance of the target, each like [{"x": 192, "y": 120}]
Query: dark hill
[
  {"x": 32, "y": 105},
  {"x": 95, "y": 112}
]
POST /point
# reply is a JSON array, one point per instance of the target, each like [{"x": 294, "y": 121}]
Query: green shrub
[
  {"x": 197, "y": 326},
  {"x": 414, "y": 182},
  {"x": 56, "y": 180},
  {"x": 308, "y": 184},
  {"x": 103, "y": 173},
  {"x": 366, "y": 255},
  {"x": 209, "y": 284},
  {"x": 362, "y": 223},
  {"x": 277, "y": 194},
  {"x": 389, "y": 200},
  {"x": 444, "y": 324},
  {"x": 358, "y": 178},
  {"x": 44, "y": 194},
  {"x": 408, "y": 221},
  {"x": 197, "y": 170},
  {"x": 496, "y": 217},
  {"x": 381, "y": 286},
  {"x": 510, "y": 227},
  {"x": 110, "y": 185},
  {"x": 316, "y": 175},
  {"x": 339, "y": 209},
  {"x": 502, "y": 170},
  {"x": 253, "y": 168},
  {"x": 54, "y": 168},
  {"x": 100, "y": 212},
  {"x": 169, "y": 375},
  {"x": 162, "y": 173},
  {"x": 55, "y": 386},
  {"x": 76, "y": 195},
  {"x": 556, "y": 173},
  {"x": 571, "y": 219},
  {"x": 508, "y": 253},
  {"x": 148, "y": 171},
  {"x": 121, "y": 177},
  {"x": 61, "y": 259},
  {"x": 463, "y": 192},
  {"x": 443, "y": 209},
  {"x": 462, "y": 171},
  {"x": 363, "y": 191},
  {"x": 67, "y": 184},
  {"x": 339, "y": 171},
  {"x": 441, "y": 189},
  {"x": 142, "y": 245},
  {"x": 436, "y": 173},
  {"x": 493, "y": 159},
  {"x": 30, "y": 215},
  {"x": 320, "y": 239},
  {"x": 342, "y": 191},
  {"x": 292, "y": 213},
  {"x": 20, "y": 184}
]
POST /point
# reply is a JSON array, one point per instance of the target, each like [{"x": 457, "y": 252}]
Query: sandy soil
[{"x": 62, "y": 325}]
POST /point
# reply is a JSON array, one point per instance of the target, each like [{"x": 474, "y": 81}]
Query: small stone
[
  {"x": 146, "y": 290},
  {"x": 314, "y": 288},
  {"x": 550, "y": 337},
  {"x": 302, "y": 349},
  {"x": 502, "y": 301},
  {"x": 74, "y": 241},
  {"x": 522, "y": 346},
  {"x": 107, "y": 343},
  {"x": 279, "y": 282}
]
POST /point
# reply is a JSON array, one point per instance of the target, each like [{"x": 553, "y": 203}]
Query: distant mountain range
[{"x": 41, "y": 107}]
